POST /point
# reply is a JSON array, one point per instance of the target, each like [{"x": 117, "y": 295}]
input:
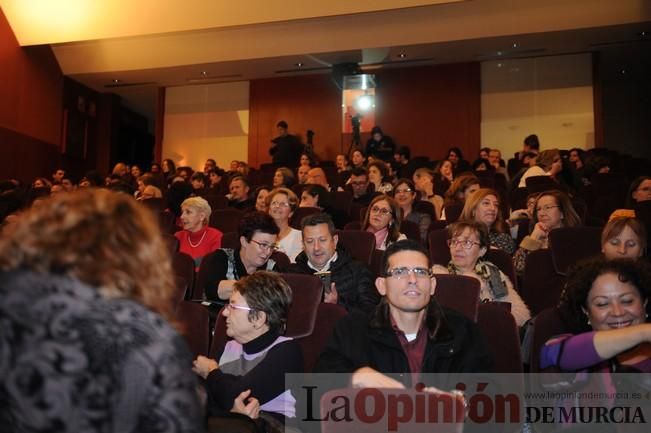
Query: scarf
[
  {"x": 487, "y": 272},
  {"x": 380, "y": 237}
]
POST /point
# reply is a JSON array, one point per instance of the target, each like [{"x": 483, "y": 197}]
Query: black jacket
[
  {"x": 353, "y": 281},
  {"x": 358, "y": 341},
  {"x": 286, "y": 151}
]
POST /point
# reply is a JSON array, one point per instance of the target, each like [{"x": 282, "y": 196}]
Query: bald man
[{"x": 316, "y": 176}]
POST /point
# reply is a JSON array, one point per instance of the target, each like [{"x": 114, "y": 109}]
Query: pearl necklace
[{"x": 200, "y": 240}]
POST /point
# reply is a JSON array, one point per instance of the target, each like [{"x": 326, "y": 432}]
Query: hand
[
  {"x": 246, "y": 406},
  {"x": 331, "y": 295},
  {"x": 366, "y": 377},
  {"x": 203, "y": 366},
  {"x": 540, "y": 231}
]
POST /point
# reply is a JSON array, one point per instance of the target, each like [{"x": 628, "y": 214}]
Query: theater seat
[
  {"x": 439, "y": 252},
  {"x": 359, "y": 244},
  {"x": 547, "y": 324},
  {"x": 569, "y": 245},
  {"x": 226, "y": 220},
  {"x": 183, "y": 267},
  {"x": 301, "y": 213},
  {"x": 193, "y": 320},
  {"x": 502, "y": 337},
  {"x": 459, "y": 293},
  {"x": 541, "y": 285}
]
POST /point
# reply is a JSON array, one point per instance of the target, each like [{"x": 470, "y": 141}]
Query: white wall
[
  {"x": 548, "y": 96},
  {"x": 206, "y": 121}
]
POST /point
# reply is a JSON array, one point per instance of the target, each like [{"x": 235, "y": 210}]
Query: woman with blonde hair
[
  {"x": 282, "y": 203},
  {"x": 483, "y": 206},
  {"x": 197, "y": 239},
  {"x": 85, "y": 280},
  {"x": 548, "y": 163},
  {"x": 383, "y": 218}
]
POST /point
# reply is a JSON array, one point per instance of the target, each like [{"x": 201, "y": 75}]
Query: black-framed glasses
[
  {"x": 381, "y": 210},
  {"x": 405, "y": 272},
  {"x": 465, "y": 243},
  {"x": 265, "y": 246}
]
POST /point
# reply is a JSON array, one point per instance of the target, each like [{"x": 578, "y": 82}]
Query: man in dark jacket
[
  {"x": 408, "y": 333},
  {"x": 286, "y": 149},
  {"x": 346, "y": 281}
]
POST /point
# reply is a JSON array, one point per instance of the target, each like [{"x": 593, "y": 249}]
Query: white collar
[{"x": 325, "y": 267}]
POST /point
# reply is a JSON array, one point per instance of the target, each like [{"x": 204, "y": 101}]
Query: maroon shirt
[{"x": 415, "y": 350}]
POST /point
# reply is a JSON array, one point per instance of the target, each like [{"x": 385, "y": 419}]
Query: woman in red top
[{"x": 197, "y": 239}]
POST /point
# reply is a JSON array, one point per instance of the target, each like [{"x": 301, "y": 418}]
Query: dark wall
[{"x": 427, "y": 108}]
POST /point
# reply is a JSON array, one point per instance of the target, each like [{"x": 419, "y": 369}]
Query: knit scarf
[{"x": 487, "y": 272}]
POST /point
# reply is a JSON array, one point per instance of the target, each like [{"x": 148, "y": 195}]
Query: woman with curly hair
[
  {"x": 86, "y": 281},
  {"x": 605, "y": 306}
]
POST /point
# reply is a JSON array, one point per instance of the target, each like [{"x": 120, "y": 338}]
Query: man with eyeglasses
[
  {"x": 409, "y": 331},
  {"x": 346, "y": 281},
  {"x": 221, "y": 269},
  {"x": 359, "y": 184}
]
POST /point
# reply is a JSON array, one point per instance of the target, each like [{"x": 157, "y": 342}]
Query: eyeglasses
[
  {"x": 545, "y": 208},
  {"x": 381, "y": 210},
  {"x": 405, "y": 272},
  {"x": 279, "y": 204},
  {"x": 265, "y": 247},
  {"x": 465, "y": 243},
  {"x": 239, "y": 307},
  {"x": 400, "y": 191}
]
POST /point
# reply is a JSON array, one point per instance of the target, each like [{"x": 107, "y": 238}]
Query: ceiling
[{"x": 133, "y": 48}]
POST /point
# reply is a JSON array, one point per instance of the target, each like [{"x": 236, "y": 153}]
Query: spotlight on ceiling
[{"x": 364, "y": 103}]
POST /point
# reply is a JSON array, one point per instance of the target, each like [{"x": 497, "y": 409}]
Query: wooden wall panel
[
  {"x": 304, "y": 102},
  {"x": 427, "y": 108}
]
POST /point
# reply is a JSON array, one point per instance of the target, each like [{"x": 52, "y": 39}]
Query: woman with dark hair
[
  {"x": 315, "y": 196},
  {"x": 639, "y": 191},
  {"x": 444, "y": 172},
  {"x": 553, "y": 209},
  {"x": 462, "y": 187},
  {"x": 169, "y": 169},
  {"x": 249, "y": 378},
  {"x": 221, "y": 269},
  {"x": 405, "y": 195},
  {"x": 377, "y": 175},
  {"x": 383, "y": 219},
  {"x": 623, "y": 238},
  {"x": 358, "y": 158},
  {"x": 260, "y": 195},
  {"x": 380, "y": 146},
  {"x": 605, "y": 307},
  {"x": 86, "y": 284},
  {"x": 468, "y": 244},
  {"x": 459, "y": 165},
  {"x": 483, "y": 206}
]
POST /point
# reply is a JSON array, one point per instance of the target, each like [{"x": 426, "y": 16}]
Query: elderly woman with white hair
[{"x": 197, "y": 239}]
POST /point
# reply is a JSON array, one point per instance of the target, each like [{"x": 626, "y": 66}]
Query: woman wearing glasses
[
  {"x": 249, "y": 378},
  {"x": 383, "y": 220},
  {"x": 221, "y": 269},
  {"x": 468, "y": 243},
  {"x": 553, "y": 209},
  {"x": 282, "y": 204},
  {"x": 405, "y": 195}
]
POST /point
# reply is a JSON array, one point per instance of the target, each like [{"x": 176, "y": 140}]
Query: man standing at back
[
  {"x": 409, "y": 331},
  {"x": 285, "y": 149}
]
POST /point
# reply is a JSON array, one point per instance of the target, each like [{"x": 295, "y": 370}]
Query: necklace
[{"x": 200, "y": 240}]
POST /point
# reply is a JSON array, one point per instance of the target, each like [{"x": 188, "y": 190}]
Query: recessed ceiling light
[
  {"x": 204, "y": 73},
  {"x": 623, "y": 72},
  {"x": 515, "y": 45},
  {"x": 499, "y": 53},
  {"x": 643, "y": 33},
  {"x": 499, "y": 65},
  {"x": 298, "y": 65},
  {"x": 402, "y": 55},
  {"x": 115, "y": 81}
]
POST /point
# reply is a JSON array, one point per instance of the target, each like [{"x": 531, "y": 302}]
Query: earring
[{"x": 589, "y": 322}]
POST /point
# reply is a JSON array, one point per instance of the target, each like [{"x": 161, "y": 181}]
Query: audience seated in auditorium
[
  {"x": 401, "y": 159},
  {"x": 58, "y": 175},
  {"x": 405, "y": 195},
  {"x": 407, "y": 322},
  {"x": 221, "y": 269},
  {"x": 530, "y": 145},
  {"x": 239, "y": 188},
  {"x": 379, "y": 145},
  {"x": 496, "y": 161},
  {"x": 197, "y": 239},
  {"x": 150, "y": 192},
  {"x": 553, "y": 209},
  {"x": 383, "y": 218},
  {"x": 249, "y": 378},
  {"x": 378, "y": 175},
  {"x": 639, "y": 191},
  {"x": 343, "y": 163},
  {"x": 260, "y": 195},
  {"x": 217, "y": 183},
  {"x": 301, "y": 173},
  {"x": 460, "y": 190},
  {"x": 283, "y": 177},
  {"x": 282, "y": 203},
  {"x": 459, "y": 165},
  {"x": 623, "y": 238},
  {"x": 358, "y": 158},
  {"x": 468, "y": 243},
  {"x": 198, "y": 182},
  {"x": 86, "y": 281},
  {"x": 443, "y": 177},
  {"x": 548, "y": 163},
  {"x": 359, "y": 183},
  {"x": 169, "y": 169},
  {"x": 605, "y": 307},
  {"x": 483, "y": 206},
  {"x": 210, "y": 164},
  {"x": 424, "y": 182},
  {"x": 346, "y": 281},
  {"x": 316, "y": 176}
]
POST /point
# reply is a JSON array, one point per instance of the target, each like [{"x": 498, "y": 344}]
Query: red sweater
[{"x": 204, "y": 242}]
